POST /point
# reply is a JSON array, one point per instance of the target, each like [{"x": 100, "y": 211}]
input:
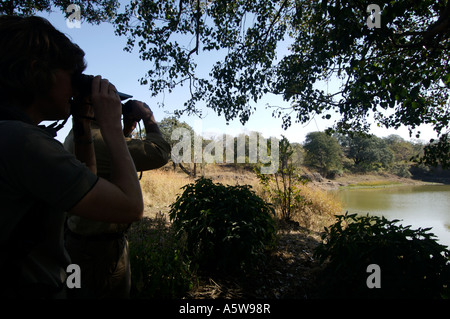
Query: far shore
[{"x": 368, "y": 181}]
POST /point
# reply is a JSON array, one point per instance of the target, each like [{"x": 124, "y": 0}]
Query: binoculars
[{"x": 83, "y": 83}]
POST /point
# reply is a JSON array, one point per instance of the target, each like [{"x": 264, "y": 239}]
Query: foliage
[
  {"x": 399, "y": 73},
  {"x": 368, "y": 152},
  {"x": 401, "y": 170},
  {"x": 169, "y": 124},
  {"x": 226, "y": 227},
  {"x": 437, "y": 153},
  {"x": 283, "y": 186},
  {"x": 400, "y": 66},
  {"x": 93, "y": 11},
  {"x": 413, "y": 264},
  {"x": 292, "y": 198},
  {"x": 174, "y": 131},
  {"x": 158, "y": 266},
  {"x": 403, "y": 151},
  {"x": 322, "y": 152}
]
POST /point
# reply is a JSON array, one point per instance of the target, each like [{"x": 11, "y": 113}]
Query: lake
[{"x": 419, "y": 205}]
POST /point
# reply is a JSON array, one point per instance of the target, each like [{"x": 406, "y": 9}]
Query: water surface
[{"x": 419, "y": 205}]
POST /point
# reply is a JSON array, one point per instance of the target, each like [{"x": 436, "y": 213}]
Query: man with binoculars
[
  {"x": 39, "y": 180},
  {"x": 100, "y": 248}
]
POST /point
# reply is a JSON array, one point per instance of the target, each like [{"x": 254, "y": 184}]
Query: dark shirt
[
  {"x": 149, "y": 153},
  {"x": 39, "y": 182}
]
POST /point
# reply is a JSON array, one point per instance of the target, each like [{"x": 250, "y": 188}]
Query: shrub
[
  {"x": 401, "y": 170},
  {"x": 158, "y": 268},
  {"x": 226, "y": 227},
  {"x": 412, "y": 263},
  {"x": 292, "y": 199},
  {"x": 318, "y": 208}
]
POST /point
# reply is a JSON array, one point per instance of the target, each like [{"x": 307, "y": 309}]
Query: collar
[{"x": 12, "y": 113}]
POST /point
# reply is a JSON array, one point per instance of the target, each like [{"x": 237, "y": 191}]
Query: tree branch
[
  {"x": 197, "y": 31},
  {"x": 277, "y": 16},
  {"x": 439, "y": 28}
]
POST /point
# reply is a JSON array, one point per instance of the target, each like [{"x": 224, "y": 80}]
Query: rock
[
  {"x": 317, "y": 177},
  {"x": 312, "y": 177}
]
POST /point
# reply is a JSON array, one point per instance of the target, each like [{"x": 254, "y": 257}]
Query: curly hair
[{"x": 31, "y": 49}]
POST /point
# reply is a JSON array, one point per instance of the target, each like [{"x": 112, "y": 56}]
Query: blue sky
[{"x": 105, "y": 57}]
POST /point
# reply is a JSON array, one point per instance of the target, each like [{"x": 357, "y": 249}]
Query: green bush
[
  {"x": 412, "y": 263},
  {"x": 227, "y": 228},
  {"x": 158, "y": 269},
  {"x": 401, "y": 170}
]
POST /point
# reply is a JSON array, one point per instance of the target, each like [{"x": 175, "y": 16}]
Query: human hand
[
  {"x": 136, "y": 111},
  {"x": 106, "y": 103}
]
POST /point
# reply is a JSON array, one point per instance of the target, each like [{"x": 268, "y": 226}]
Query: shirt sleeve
[
  {"x": 150, "y": 153},
  {"x": 44, "y": 170}
]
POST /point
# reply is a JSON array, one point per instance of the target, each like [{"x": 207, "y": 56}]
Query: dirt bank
[{"x": 365, "y": 180}]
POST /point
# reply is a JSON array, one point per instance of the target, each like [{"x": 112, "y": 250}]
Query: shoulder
[
  {"x": 16, "y": 130},
  {"x": 20, "y": 137},
  {"x": 13, "y": 126},
  {"x": 13, "y": 133}
]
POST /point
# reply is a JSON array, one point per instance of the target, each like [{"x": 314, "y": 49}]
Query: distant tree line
[
  {"x": 329, "y": 154},
  {"x": 332, "y": 155}
]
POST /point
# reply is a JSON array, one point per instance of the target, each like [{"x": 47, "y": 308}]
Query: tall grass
[
  {"x": 319, "y": 208},
  {"x": 161, "y": 187},
  {"x": 158, "y": 259},
  {"x": 159, "y": 268}
]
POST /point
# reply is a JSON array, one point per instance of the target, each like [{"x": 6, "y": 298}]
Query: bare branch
[{"x": 197, "y": 31}]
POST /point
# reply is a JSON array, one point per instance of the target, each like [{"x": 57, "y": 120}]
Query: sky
[{"x": 105, "y": 56}]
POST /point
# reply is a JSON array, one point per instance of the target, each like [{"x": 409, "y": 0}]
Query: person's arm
[
  {"x": 83, "y": 148},
  {"x": 153, "y": 151},
  {"x": 150, "y": 124},
  {"x": 120, "y": 199},
  {"x": 139, "y": 111}
]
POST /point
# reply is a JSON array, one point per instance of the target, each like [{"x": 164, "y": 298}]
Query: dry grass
[
  {"x": 161, "y": 188},
  {"x": 320, "y": 208},
  {"x": 290, "y": 268}
]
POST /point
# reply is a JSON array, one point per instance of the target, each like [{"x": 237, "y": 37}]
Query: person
[
  {"x": 39, "y": 179},
  {"x": 99, "y": 248}
]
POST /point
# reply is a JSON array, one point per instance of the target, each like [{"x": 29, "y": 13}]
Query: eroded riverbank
[{"x": 367, "y": 180}]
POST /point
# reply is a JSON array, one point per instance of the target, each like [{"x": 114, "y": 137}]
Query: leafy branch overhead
[
  {"x": 401, "y": 66},
  {"x": 399, "y": 73}
]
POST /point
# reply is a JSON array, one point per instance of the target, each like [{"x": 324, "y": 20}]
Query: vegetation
[
  {"x": 397, "y": 71},
  {"x": 283, "y": 186},
  {"x": 200, "y": 225},
  {"x": 367, "y": 152},
  {"x": 323, "y": 153},
  {"x": 162, "y": 265},
  {"x": 159, "y": 266},
  {"x": 288, "y": 192},
  {"x": 330, "y": 155},
  {"x": 413, "y": 264},
  {"x": 226, "y": 228},
  {"x": 338, "y": 154}
]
